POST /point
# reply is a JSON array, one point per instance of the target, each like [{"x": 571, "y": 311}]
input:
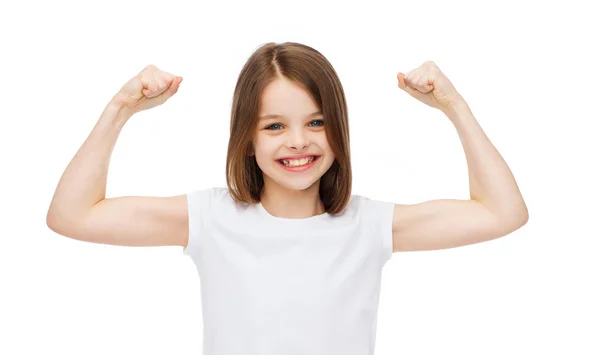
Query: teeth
[{"x": 298, "y": 162}]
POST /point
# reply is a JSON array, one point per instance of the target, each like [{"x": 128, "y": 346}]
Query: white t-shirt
[{"x": 277, "y": 286}]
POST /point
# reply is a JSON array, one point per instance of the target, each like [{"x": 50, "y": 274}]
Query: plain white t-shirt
[{"x": 278, "y": 286}]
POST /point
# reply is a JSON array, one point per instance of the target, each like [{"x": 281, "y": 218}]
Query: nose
[{"x": 298, "y": 140}]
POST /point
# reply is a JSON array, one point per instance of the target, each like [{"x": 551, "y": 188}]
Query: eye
[{"x": 273, "y": 125}]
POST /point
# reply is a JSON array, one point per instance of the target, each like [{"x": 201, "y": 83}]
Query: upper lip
[{"x": 298, "y": 156}]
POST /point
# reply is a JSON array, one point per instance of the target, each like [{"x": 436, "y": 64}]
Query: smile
[{"x": 299, "y": 164}]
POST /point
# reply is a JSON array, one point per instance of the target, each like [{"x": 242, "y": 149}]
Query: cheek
[
  {"x": 324, "y": 144},
  {"x": 265, "y": 151}
]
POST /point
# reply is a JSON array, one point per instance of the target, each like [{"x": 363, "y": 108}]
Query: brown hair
[{"x": 310, "y": 69}]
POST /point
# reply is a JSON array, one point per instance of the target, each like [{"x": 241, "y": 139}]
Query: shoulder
[
  {"x": 214, "y": 200},
  {"x": 204, "y": 199},
  {"x": 209, "y": 194},
  {"x": 375, "y": 217},
  {"x": 369, "y": 206},
  {"x": 370, "y": 210}
]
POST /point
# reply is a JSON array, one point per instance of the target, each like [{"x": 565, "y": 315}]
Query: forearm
[
  {"x": 83, "y": 183},
  {"x": 490, "y": 180}
]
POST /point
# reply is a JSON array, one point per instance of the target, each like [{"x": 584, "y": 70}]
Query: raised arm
[
  {"x": 79, "y": 208},
  {"x": 495, "y": 208}
]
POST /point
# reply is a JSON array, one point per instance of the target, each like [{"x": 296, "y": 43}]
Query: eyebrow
[{"x": 318, "y": 113}]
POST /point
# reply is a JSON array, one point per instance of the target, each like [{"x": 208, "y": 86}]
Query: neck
[{"x": 286, "y": 203}]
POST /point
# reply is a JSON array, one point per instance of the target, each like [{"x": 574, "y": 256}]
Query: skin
[
  {"x": 80, "y": 209},
  {"x": 295, "y": 132},
  {"x": 495, "y": 208}
]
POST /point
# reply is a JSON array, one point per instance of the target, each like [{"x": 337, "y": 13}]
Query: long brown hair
[{"x": 310, "y": 69}]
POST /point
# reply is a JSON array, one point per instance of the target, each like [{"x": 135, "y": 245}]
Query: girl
[{"x": 289, "y": 260}]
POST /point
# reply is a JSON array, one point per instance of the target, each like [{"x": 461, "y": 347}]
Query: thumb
[
  {"x": 401, "y": 83},
  {"x": 404, "y": 86},
  {"x": 172, "y": 90}
]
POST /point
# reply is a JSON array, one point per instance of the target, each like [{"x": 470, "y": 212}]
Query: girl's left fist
[{"x": 429, "y": 85}]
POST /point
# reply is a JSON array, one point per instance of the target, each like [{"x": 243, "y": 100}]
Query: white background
[{"x": 528, "y": 70}]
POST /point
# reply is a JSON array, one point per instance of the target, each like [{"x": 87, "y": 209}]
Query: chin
[
  {"x": 298, "y": 183},
  {"x": 294, "y": 184},
  {"x": 299, "y": 186}
]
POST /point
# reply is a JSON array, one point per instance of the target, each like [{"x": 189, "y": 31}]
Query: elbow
[
  {"x": 68, "y": 221},
  {"x": 52, "y": 216},
  {"x": 51, "y": 220},
  {"x": 60, "y": 224},
  {"x": 523, "y": 215},
  {"x": 511, "y": 218},
  {"x": 55, "y": 224},
  {"x": 517, "y": 219}
]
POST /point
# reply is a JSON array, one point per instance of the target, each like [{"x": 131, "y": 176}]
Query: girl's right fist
[{"x": 150, "y": 88}]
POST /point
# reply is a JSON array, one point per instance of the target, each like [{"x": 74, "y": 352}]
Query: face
[{"x": 297, "y": 129}]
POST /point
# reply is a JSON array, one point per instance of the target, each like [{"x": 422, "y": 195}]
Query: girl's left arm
[{"x": 496, "y": 207}]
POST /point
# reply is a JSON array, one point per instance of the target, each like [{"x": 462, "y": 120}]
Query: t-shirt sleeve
[
  {"x": 380, "y": 215},
  {"x": 197, "y": 203}
]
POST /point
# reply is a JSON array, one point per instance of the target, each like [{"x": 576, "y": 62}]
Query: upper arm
[
  {"x": 446, "y": 223},
  {"x": 131, "y": 221}
]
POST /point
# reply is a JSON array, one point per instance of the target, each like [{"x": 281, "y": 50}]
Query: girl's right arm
[{"x": 79, "y": 209}]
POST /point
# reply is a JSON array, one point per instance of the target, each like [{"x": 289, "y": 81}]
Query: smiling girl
[{"x": 289, "y": 259}]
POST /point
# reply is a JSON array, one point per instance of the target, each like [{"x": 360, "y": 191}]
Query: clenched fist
[{"x": 150, "y": 88}]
